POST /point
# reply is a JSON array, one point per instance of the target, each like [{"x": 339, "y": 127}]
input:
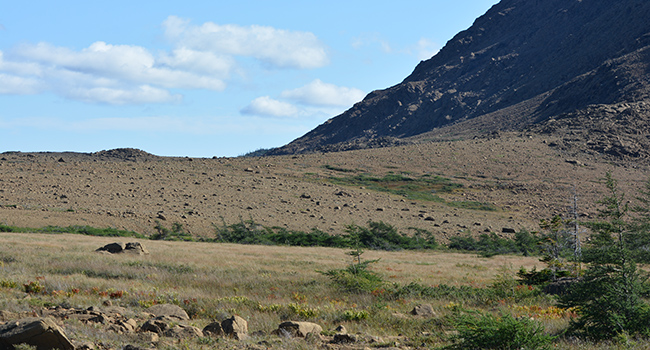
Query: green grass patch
[
  {"x": 422, "y": 188},
  {"x": 75, "y": 229},
  {"x": 335, "y": 168}
]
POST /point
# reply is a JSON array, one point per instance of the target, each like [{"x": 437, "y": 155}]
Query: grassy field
[{"x": 269, "y": 284}]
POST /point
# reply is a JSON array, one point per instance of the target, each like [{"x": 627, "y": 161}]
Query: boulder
[
  {"x": 424, "y": 310},
  {"x": 344, "y": 338},
  {"x": 298, "y": 329},
  {"x": 112, "y": 248},
  {"x": 235, "y": 327},
  {"x": 135, "y": 248},
  {"x": 157, "y": 325},
  {"x": 169, "y": 310},
  {"x": 117, "y": 248},
  {"x": 40, "y": 332},
  {"x": 182, "y": 331},
  {"x": 213, "y": 329}
]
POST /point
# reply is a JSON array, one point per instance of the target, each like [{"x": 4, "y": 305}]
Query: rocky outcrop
[
  {"x": 117, "y": 248},
  {"x": 235, "y": 327},
  {"x": 521, "y": 63},
  {"x": 42, "y": 333},
  {"x": 423, "y": 310},
  {"x": 297, "y": 329}
]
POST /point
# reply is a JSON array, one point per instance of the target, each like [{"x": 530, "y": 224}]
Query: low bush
[{"x": 486, "y": 331}]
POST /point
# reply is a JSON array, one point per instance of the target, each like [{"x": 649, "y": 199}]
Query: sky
[{"x": 203, "y": 78}]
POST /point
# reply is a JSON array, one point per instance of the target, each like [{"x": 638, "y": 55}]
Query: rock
[
  {"x": 213, "y": 329},
  {"x": 40, "y": 332},
  {"x": 574, "y": 162},
  {"x": 135, "y": 248},
  {"x": 235, "y": 327},
  {"x": 169, "y": 310},
  {"x": 116, "y": 248},
  {"x": 112, "y": 248},
  {"x": 149, "y": 337},
  {"x": 342, "y": 193},
  {"x": 344, "y": 338},
  {"x": 424, "y": 310},
  {"x": 508, "y": 230},
  {"x": 124, "y": 327},
  {"x": 85, "y": 346},
  {"x": 298, "y": 329},
  {"x": 182, "y": 331},
  {"x": 157, "y": 325},
  {"x": 133, "y": 347}
]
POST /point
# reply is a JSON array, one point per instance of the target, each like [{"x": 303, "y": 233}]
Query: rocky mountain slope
[{"x": 524, "y": 65}]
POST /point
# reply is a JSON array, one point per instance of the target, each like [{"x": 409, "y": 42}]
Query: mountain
[{"x": 544, "y": 66}]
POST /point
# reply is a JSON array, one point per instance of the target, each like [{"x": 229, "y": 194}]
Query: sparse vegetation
[
  {"x": 422, "y": 188},
  {"x": 83, "y": 230}
]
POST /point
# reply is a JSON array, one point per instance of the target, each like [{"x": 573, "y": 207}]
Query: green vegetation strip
[
  {"x": 83, "y": 230},
  {"x": 424, "y": 188}
]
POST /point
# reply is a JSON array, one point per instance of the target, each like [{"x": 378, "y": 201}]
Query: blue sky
[{"x": 203, "y": 78}]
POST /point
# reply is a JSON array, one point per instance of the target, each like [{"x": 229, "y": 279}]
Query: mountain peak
[{"x": 519, "y": 64}]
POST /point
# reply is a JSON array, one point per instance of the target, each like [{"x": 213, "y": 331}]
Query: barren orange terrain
[{"x": 524, "y": 178}]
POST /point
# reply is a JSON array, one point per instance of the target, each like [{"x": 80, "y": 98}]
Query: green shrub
[
  {"x": 487, "y": 244},
  {"x": 354, "y": 315},
  {"x": 4, "y": 283},
  {"x": 177, "y": 233},
  {"x": 486, "y": 331}
]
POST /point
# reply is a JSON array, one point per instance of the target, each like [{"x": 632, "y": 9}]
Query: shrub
[
  {"x": 354, "y": 315},
  {"x": 487, "y": 244},
  {"x": 486, "y": 331},
  {"x": 177, "y": 233}
]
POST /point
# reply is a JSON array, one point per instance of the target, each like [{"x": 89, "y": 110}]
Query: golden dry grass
[{"x": 263, "y": 284}]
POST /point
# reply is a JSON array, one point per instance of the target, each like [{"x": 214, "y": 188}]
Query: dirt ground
[{"x": 523, "y": 176}]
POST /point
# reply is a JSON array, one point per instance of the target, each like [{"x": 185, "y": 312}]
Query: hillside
[
  {"x": 522, "y": 66},
  {"x": 505, "y": 181}
]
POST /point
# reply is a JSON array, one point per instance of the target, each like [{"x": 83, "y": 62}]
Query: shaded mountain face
[{"x": 520, "y": 64}]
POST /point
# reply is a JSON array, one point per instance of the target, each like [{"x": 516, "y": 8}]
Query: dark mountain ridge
[{"x": 520, "y": 65}]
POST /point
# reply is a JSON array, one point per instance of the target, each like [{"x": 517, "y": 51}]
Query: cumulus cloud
[
  {"x": 319, "y": 93},
  {"x": 275, "y": 47},
  {"x": 266, "y": 106},
  {"x": 202, "y": 57},
  {"x": 15, "y": 85}
]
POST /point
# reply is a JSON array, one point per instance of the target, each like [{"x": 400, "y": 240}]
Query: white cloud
[
  {"x": 323, "y": 94},
  {"x": 266, "y": 106},
  {"x": 125, "y": 63},
  {"x": 199, "y": 61},
  {"x": 203, "y": 57},
  {"x": 425, "y": 49},
  {"x": 141, "y": 94},
  {"x": 370, "y": 39},
  {"x": 275, "y": 47},
  {"x": 14, "y": 85}
]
